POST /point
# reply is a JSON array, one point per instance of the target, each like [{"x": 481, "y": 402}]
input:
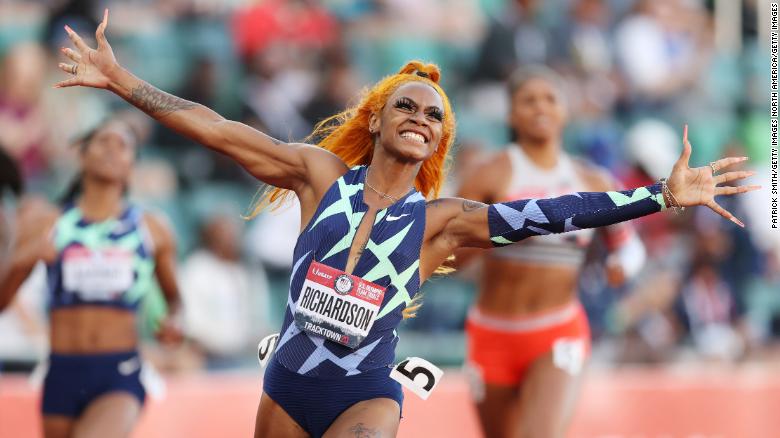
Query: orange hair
[{"x": 347, "y": 135}]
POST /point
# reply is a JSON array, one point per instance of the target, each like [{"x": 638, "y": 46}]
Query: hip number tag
[{"x": 417, "y": 375}]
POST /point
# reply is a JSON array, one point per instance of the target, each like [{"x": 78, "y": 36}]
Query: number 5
[{"x": 407, "y": 371}]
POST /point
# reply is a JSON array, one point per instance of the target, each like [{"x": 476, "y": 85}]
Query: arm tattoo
[
  {"x": 469, "y": 205},
  {"x": 157, "y": 103},
  {"x": 435, "y": 202},
  {"x": 361, "y": 431},
  {"x": 359, "y": 253}
]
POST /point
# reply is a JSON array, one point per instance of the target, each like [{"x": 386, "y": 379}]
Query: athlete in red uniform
[{"x": 528, "y": 336}]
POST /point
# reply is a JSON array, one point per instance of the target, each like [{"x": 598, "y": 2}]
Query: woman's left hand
[
  {"x": 699, "y": 186},
  {"x": 170, "y": 332}
]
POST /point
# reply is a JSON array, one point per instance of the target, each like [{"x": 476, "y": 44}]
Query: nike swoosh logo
[
  {"x": 395, "y": 218},
  {"x": 122, "y": 227},
  {"x": 129, "y": 366}
]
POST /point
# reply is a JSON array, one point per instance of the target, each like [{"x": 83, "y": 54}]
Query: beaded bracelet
[{"x": 674, "y": 204}]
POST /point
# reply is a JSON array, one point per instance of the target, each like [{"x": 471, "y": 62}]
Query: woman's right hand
[
  {"x": 35, "y": 218},
  {"x": 281, "y": 164},
  {"x": 90, "y": 68}
]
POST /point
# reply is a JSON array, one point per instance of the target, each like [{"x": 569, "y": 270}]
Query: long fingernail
[
  {"x": 738, "y": 222},
  {"x": 68, "y": 29}
]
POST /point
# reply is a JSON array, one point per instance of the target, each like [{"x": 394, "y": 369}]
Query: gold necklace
[{"x": 381, "y": 194}]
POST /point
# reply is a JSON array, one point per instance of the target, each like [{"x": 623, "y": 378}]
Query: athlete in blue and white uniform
[
  {"x": 391, "y": 259},
  {"x": 369, "y": 238},
  {"x": 102, "y": 256}
]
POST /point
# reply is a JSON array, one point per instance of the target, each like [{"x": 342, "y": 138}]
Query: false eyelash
[
  {"x": 436, "y": 114},
  {"x": 405, "y": 103}
]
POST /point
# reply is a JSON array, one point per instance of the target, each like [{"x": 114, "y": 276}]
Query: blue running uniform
[
  {"x": 315, "y": 379},
  {"x": 391, "y": 259},
  {"x": 108, "y": 264}
]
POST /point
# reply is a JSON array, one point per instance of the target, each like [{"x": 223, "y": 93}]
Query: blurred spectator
[
  {"x": 23, "y": 128},
  {"x": 583, "y": 51},
  {"x": 270, "y": 243},
  {"x": 277, "y": 89},
  {"x": 78, "y": 14},
  {"x": 272, "y": 236},
  {"x": 710, "y": 312},
  {"x": 514, "y": 38},
  {"x": 299, "y": 23},
  {"x": 663, "y": 48},
  {"x": 218, "y": 299},
  {"x": 584, "y": 41},
  {"x": 763, "y": 304},
  {"x": 338, "y": 87}
]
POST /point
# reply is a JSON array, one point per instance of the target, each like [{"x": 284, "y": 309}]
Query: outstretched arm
[
  {"x": 170, "y": 330},
  {"x": 268, "y": 159},
  {"x": 513, "y": 221},
  {"x": 35, "y": 219},
  {"x": 467, "y": 223},
  {"x": 484, "y": 226}
]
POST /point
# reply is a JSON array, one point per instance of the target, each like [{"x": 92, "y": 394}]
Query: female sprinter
[
  {"x": 369, "y": 237},
  {"x": 101, "y": 253},
  {"x": 528, "y": 337}
]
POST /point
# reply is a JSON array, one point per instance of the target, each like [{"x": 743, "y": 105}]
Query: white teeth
[{"x": 413, "y": 136}]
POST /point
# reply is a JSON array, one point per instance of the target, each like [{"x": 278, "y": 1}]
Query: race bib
[
  {"x": 97, "y": 275},
  {"x": 417, "y": 375},
  {"x": 336, "y": 305},
  {"x": 569, "y": 355}
]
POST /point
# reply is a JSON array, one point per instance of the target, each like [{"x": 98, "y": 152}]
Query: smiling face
[
  {"x": 109, "y": 154},
  {"x": 410, "y": 124},
  {"x": 538, "y": 112}
]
